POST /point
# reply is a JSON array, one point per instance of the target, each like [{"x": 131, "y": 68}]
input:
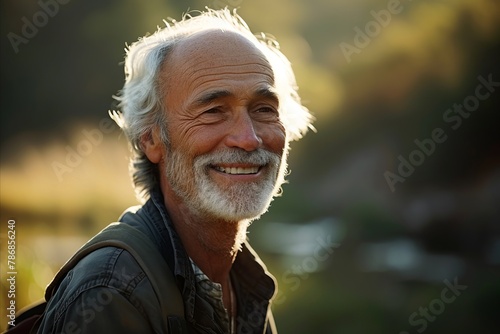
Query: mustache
[{"x": 238, "y": 156}]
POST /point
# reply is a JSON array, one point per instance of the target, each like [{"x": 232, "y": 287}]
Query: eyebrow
[
  {"x": 211, "y": 96},
  {"x": 268, "y": 93}
]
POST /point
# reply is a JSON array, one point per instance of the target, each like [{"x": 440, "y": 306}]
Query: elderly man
[{"x": 209, "y": 109}]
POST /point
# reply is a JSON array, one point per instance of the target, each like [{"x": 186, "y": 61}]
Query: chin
[{"x": 229, "y": 209}]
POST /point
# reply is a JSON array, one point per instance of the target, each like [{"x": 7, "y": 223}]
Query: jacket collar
[{"x": 253, "y": 278}]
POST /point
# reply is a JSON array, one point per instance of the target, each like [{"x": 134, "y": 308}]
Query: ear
[{"x": 152, "y": 146}]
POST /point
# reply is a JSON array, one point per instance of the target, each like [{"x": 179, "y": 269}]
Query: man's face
[{"x": 227, "y": 152}]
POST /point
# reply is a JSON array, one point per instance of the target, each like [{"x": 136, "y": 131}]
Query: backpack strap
[{"x": 142, "y": 248}]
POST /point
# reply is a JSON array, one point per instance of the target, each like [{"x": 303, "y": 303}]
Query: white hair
[{"x": 140, "y": 99}]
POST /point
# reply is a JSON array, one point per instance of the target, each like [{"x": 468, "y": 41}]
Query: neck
[{"x": 211, "y": 243}]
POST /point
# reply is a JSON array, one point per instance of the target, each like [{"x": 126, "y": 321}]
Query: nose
[{"x": 242, "y": 134}]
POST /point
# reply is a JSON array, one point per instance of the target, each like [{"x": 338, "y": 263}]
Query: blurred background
[{"x": 392, "y": 204}]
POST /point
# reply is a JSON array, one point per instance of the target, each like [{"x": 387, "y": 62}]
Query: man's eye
[
  {"x": 212, "y": 111},
  {"x": 266, "y": 114},
  {"x": 266, "y": 110},
  {"x": 212, "y": 115}
]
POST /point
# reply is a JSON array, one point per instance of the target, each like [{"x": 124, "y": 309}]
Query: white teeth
[{"x": 238, "y": 170}]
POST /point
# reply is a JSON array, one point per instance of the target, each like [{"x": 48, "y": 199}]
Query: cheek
[
  {"x": 274, "y": 138},
  {"x": 195, "y": 140}
]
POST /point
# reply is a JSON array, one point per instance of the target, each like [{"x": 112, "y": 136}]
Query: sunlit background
[{"x": 394, "y": 199}]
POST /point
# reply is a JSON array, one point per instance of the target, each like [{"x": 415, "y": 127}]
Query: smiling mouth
[{"x": 237, "y": 170}]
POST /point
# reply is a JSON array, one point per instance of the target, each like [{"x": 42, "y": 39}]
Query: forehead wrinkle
[
  {"x": 246, "y": 68},
  {"x": 205, "y": 60},
  {"x": 230, "y": 60},
  {"x": 201, "y": 79}
]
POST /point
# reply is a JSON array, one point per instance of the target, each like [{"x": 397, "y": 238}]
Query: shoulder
[
  {"x": 105, "y": 282},
  {"x": 108, "y": 267}
]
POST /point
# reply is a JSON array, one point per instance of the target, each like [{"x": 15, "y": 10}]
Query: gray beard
[{"x": 205, "y": 198}]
